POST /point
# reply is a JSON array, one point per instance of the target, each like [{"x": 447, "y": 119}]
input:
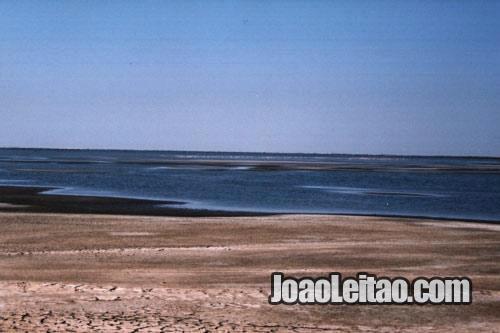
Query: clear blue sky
[{"x": 396, "y": 77}]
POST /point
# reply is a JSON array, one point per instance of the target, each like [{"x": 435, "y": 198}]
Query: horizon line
[{"x": 256, "y": 152}]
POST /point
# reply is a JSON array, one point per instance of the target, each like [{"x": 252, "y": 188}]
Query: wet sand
[
  {"x": 63, "y": 272},
  {"x": 36, "y": 200}
]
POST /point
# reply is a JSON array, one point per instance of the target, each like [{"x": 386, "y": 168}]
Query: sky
[{"x": 372, "y": 77}]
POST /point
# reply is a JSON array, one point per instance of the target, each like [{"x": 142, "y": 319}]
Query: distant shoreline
[{"x": 260, "y": 153}]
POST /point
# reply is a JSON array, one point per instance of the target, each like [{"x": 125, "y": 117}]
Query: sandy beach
[{"x": 71, "y": 272}]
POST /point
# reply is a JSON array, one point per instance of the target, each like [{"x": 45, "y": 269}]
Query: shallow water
[{"x": 464, "y": 188}]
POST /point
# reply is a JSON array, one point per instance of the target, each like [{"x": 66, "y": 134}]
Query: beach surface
[{"x": 81, "y": 273}]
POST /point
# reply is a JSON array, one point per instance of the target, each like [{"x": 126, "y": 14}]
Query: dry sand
[{"x": 61, "y": 272}]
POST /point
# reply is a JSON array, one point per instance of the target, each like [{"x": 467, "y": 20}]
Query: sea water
[{"x": 441, "y": 187}]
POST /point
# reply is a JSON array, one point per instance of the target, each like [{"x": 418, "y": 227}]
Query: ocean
[{"x": 437, "y": 187}]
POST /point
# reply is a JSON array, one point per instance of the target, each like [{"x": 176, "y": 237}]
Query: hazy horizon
[
  {"x": 248, "y": 152},
  {"x": 377, "y": 78}
]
